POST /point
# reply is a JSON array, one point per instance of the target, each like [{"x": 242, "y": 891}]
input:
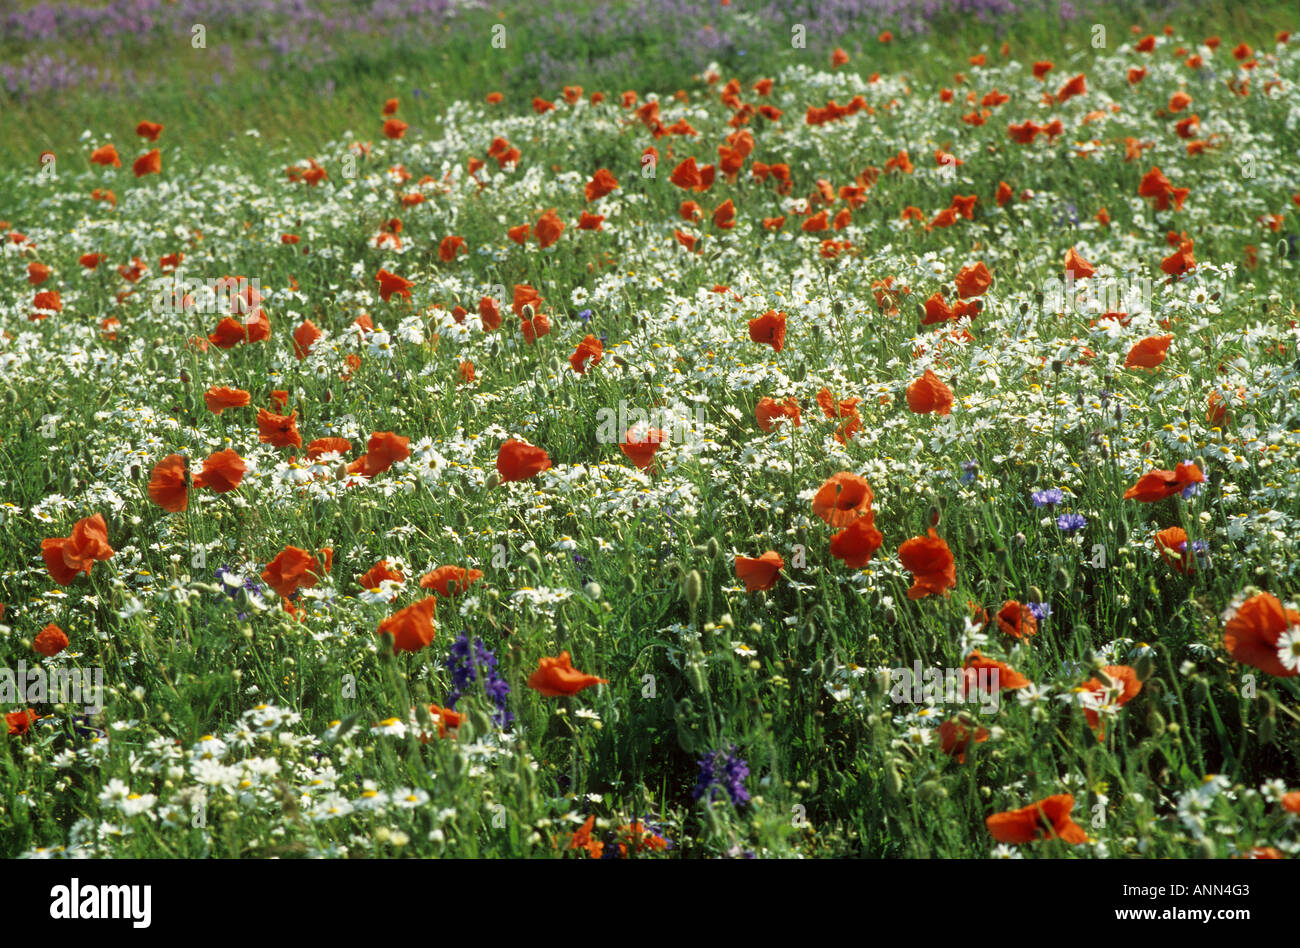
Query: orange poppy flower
[
  {"x": 1148, "y": 353},
  {"x": 395, "y": 128},
  {"x": 520, "y": 234},
  {"x": 1251, "y": 635},
  {"x": 1008, "y": 679},
  {"x": 640, "y": 447},
  {"x": 601, "y": 183},
  {"x": 65, "y": 557},
  {"x": 533, "y": 329},
  {"x": 19, "y": 722},
  {"x": 769, "y": 328},
  {"x": 589, "y": 349},
  {"x": 1016, "y": 620},
  {"x": 725, "y": 216},
  {"x": 686, "y": 240},
  {"x": 930, "y": 562},
  {"x": 446, "y": 718},
  {"x": 1076, "y": 86},
  {"x": 1180, "y": 261},
  {"x": 50, "y": 641},
  {"x": 292, "y": 567},
  {"x": 1124, "y": 687},
  {"x": 857, "y": 542},
  {"x": 106, "y": 155},
  {"x": 494, "y": 98},
  {"x": 37, "y": 273},
  {"x": 383, "y": 450},
  {"x": 590, "y": 221},
  {"x": 390, "y": 283},
  {"x": 770, "y": 413},
  {"x": 304, "y": 337},
  {"x": 411, "y": 628},
  {"x": 1171, "y": 544},
  {"x": 548, "y": 229},
  {"x": 1155, "y": 185},
  {"x": 955, "y": 738},
  {"x": 278, "y": 430},
  {"x": 1076, "y": 265},
  {"x": 91, "y": 260},
  {"x": 148, "y": 163},
  {"x": 557, "y": 678},
  {"x": 449, "y": 247},
  {"x": 761, "y": 572},
  {"x": 929, "y": 394},
  {"x": 1046, "y": 819},
  {"x": 149, "y": 130},
  {"x": 843, "y": 498},
  {"x": 379, "y": 573},
  {"x": 390, "y": 107},
  {"x": 168, "y": 486},
  {"x": 1158, "y": 484},
  {"x": 466, "y": 372},
  {"x": 321, "y": 446},
  {"x": 838, "y": 58},
  {"x": 222, "y": 471},
  {"x": 973, "y": 280},
  {"x": 518, "y": 461},
  {"x": 687, "y": 175},
  {"x": 449, "y": 581}
]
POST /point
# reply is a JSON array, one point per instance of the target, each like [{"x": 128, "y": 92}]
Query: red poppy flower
[
  {"x": 761, "y": 572},
  {"x": 449, "y": 581},
  {"x": 973, "y": 280},
  {"x": 557, "y": 678},
  {"x": 769, "y": 329},
  {"x": 148, "y": 163},
  {"x": 278, "y": 430},
  {"x": 1158, "y": 484},
  {"x": 1124, "y": 686},
  {"x": 770, "y": 413},
  {"x": 168, "y": 487},
  {"x": 930, "y": 562},
  {"x": 601, "y": 183},
  {"x": 411, "y": 628},
  {"x": 321, "y": 446},
  {"x": 50, "y": 641},
  {"x": 929, "y": 394},
  {"x": 1076, "y": 265},
  {"x": 1251, "y": 635},
  {"x": 640, "y": 447},
  {"x": 548, "y": 229},
  {"x": 955, "y": 738},
  {"x": 1046, "y": 819},
  {"x": 390, "y": 283},
  {"x": 19, "y": 722},
  {"x": 292, "y": 567},
  {"x": 843, "y": 498},
  {"x": 65, "y": 557},
  {"x": 1006, "y": 679},
  {"x": 590, "y": 349},
  {"x": 857, "y": 542},
  {"x": 383, "y": 450},
  {"x": 106, "y": 155},
  {"x": 304, "y": 337},
  {"x": 518, "y": 461},
  {"x": 222, "y": 471},
  {"x": 149, "y": 130},
  {"x": 1016, "y": 620},
  {"x": 1148, "y": 353}
]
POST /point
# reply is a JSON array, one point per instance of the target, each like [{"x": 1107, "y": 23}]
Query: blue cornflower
[
  {"x": 584, "y": 315},
  {"x": 1068, "y": 523},
  {"x": 971, "y": 468},
  {"x": 1041, "y": 610},
  {"x": 1047, "y": 498},
  {"x": 723, "y": 770},
  {"x": 465, "y": 664}
]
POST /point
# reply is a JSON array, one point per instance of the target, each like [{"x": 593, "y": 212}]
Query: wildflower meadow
[{"x": 650, "y": 431}]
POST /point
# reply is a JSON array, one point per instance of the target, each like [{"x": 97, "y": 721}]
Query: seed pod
[
  {"x": 893, "y": 782},
  {"x": 1155, "y": 722},
  {"x": 712, "y": 548}
]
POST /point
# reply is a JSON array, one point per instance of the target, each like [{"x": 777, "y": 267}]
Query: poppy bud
[
  {"x": 593, "y": 590},
  {"x": 1145, "y": 667},
  {"x": 1155, "y": 722},
  {"x": 482, "y": 723},
  {"x": 1121, "y": 534},
  {"x": 527, "y": 312},
  {"x": 1267, "y": 730},
  {"x": 1208, "y": 849},
  {"x": 1020, "y": 539},
  {"x": 1062, "y": 578},
  {"x": 492, "y": 480},
  {"x": 1201, "y": 688},
  {"x": 329, "y": 395},
  {"x": 1035, "y": 594},
  {"x": 933, "y": 792},
  {"x": 712, "y": 548},
  {"x": 1056, "y": 366},
  {"x": 533, "y": 562},
  {"x": 185, "y": 377},
  {"x": 837, "y": 308},
  {"x": 893, "y": 782},
  {"x": 693, "y": 586}
]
